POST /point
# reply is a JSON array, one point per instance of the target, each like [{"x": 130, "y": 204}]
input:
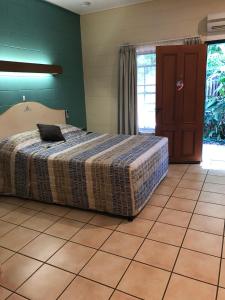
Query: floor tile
[
  {"x": 181, "y": 204},
  {"x": 36, "y": 205},
  {"x": 170, "y": 181},
  {"x": 209, "y": 209},
  {"x": 4, "y": 293},
  {"x": 223, "y": 254},
  {"x": 157, "y": 254},
  {"x": 16, "y": 297},
  {"x": 122, "y": 244},
  {"x": 16, "y": 270},
  {"x": 57, "y": 210},
  {"x": 19, "y": 215},
  {"x": 80, "y": 215},
  {"x": 83, "y": 289},
  {"x": 17, "y": 238},
  {"x": 42, "y": 247},
  {"x": 175, "y": 217},
  {"x": 207, "y": 224},
  {"x": 184, "y": 288},
  {"x": 144, "y": 281},
  {"x": 217, "y": 172},
  {"x": 47, "y": 283},
  {"x": 178, "y": 167},
  {"x": 212, "y": 197},
  {"x": 198, "y": 266},
  {"x": 5, "y": 227},
  {"x": 196, "y": 169},
  {"x": 164, "y": 190},
  {"x": 6, "y": 208},
  {"x": 158, "y": 200},
  {"x": 186, "y": 193},
  {"x": 222, "y": 274},
  {"x": 174, "y": 174},
  {"x": 72, "y": 257},
  {"x": 105, "y": 268},
  {"x": 139, "y": 227},
  {"x": 215, "y": 179},
  {"x": 167, "y": 233},
  {"x": 106, "y": 221},
  {"x": 150, "y": 213},
  {"x": 163, "y": 221},
  {"x": 40, "y": 221},
  {"x": 221, "y": 294},
  {"x": 213, "y": 187},
  {"x": 203, "y": 242},
  {"x": 117, "y": 295},
  {"x": 194, "y": 176},
  {"x": 92, "y": 236},
  {"x": 65, "y": 228},
  {"x": 13, "y": 200},
  {"x": 4, "y": 255},
  {"x": 190, "y": 184}
]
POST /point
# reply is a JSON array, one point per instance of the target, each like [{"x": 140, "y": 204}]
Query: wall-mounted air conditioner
[{"x": 216, "y": 22}]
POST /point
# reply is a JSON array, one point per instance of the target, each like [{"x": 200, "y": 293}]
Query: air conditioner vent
[
  {"x": 216, "y": 22},
  {"x": 218, "y": 27}
]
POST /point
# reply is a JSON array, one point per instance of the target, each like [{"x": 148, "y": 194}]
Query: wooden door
[{"x": 180, "y": 96}]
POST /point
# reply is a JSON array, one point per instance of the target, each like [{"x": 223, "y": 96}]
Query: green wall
[{"x": 36, "y": 31}]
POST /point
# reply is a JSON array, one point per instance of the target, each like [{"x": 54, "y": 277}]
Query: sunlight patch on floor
[{"x": 213, "y": 157}]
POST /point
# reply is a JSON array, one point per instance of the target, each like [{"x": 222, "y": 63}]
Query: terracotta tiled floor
[{"x": 173, "y": 250}]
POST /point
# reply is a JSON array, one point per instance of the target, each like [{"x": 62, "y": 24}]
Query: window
[{"x": 146, "y": 89}]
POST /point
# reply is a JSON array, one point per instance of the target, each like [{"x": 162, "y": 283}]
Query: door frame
[
  {"x": 215, "y": 42},
  {"x": 207, "y": 43}
]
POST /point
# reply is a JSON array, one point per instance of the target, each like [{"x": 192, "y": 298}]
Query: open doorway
[{"x": 214, "y": 123}]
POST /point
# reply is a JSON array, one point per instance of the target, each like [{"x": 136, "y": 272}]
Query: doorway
[{"x": 214, "y": 116}]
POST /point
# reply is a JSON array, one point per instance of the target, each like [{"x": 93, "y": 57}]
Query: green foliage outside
[{"x": 214, "y": 128}]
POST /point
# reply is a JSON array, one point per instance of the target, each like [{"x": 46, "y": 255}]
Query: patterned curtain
[
  {"x": 193, "y": 41},
  {"x": 127, "y": 98}
]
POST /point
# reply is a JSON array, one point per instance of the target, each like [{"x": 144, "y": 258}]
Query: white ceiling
[{"x": 96, "y": 5}]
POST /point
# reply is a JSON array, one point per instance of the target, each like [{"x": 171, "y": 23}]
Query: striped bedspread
[{"x": 110, "y": 173}]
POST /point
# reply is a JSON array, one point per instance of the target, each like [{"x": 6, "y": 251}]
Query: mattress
[{"x": 110, "y": 173}]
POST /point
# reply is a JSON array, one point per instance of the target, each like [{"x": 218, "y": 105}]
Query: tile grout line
[
  {"x": 181, "y": 245},
  {"x": 113, "y": 230},
  {"x": 220, "y": 266},
  {"x": 200, "y": 214},
  {"x": 45, "y": 262},
  {"x": 114, "y": 289},
  {"x": 151, "y": 220},
  {"x": 17, "y": 252},
  {"x": 145, "y": 238},
  {"x": 98, "y": 249},
  {"x": 88, "y": 222}
]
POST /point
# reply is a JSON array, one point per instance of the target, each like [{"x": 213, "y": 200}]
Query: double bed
[{"x": 115, "y": 174}]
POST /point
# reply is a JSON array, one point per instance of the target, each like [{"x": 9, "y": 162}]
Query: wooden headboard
[{"x": 24, "y": 116}]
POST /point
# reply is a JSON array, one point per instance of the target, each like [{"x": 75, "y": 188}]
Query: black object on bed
[{"x": 51, "y": 133}]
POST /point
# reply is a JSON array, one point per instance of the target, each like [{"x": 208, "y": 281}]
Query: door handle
[{"x": 180, "y": 85}]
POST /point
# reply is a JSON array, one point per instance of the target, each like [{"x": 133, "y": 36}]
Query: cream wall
[{"x": 103, "y": 32}]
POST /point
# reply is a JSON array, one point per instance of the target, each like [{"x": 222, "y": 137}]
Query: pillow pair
[{"x": 50, "y": 133}]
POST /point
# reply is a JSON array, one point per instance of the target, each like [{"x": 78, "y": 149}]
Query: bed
[{"x": 115, "y": 174}]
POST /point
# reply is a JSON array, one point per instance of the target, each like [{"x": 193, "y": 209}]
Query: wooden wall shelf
[{"x": 10, "y": 66}]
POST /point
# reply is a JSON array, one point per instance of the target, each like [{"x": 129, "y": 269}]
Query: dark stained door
[{"x": 180, "y": 95}]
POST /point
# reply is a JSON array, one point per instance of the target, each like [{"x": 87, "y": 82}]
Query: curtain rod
[{"x": 160, "y": 41}]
